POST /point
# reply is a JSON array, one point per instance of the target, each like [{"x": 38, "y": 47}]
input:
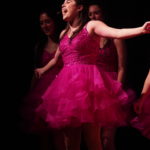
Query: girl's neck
[
  {"x": 73, "y": 27},
  {"x": 51, "y": 39},
  {"x": 75, "y": 24}
]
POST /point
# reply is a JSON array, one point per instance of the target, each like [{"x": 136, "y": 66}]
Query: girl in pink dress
[
  {"x": 45, "y": 51},
  {"x": 112, "y": 59},
  {"x": 83, "y": 94},
  {"x": 142, "y": 108}
]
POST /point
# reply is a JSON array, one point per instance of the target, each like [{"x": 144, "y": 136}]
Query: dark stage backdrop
[
  {"x": 23, "y": 17},
  {"x": 121, "y": 14}
]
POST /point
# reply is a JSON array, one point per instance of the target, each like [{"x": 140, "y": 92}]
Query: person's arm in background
[
  {"x": 51, "y": 63},
  {"x": 121, "y": 54},
  {"x": 144, "y": 94}
]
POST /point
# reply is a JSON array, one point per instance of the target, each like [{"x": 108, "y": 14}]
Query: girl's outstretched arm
[{"x": 99, "y": 28}]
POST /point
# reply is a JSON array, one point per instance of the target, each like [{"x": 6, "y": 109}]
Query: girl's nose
[{"x": 62, "y": 5}]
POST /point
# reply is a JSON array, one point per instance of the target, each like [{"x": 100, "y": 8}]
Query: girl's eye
[
  {"x": 68, "y": 1},
  {"x": 97, "y": 12},
  {"x": 45, "y": 22}
]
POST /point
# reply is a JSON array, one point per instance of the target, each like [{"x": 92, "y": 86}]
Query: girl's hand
[
  {"x": 146, "y": 27},
  {"x": 138, "y": 106},
  {"x": 39, "y": 72}
]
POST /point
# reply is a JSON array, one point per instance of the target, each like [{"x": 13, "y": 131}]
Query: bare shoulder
[
  {"x": 91, "y": 26},
  {"x": 92, "y": 23},
  {"x": 62, "y": 33}
]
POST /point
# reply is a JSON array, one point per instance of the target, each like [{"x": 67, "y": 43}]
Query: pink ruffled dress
[
  {"x": 31, "y": 122},
  {"x": 142, "y": 121},
  {"x": 82, "y": 92},
  {"x": 108, "y": 61}
]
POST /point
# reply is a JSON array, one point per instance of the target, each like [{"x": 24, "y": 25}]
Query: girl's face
[
  {"x": 70, "y": 10},
  {"x": 47, "y": 24},
  {"x": 95, "y": 12}
]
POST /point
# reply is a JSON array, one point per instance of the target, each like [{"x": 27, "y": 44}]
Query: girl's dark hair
[{"x": 83, "y": 17}]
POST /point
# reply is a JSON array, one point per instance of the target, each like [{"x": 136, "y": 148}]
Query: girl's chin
[{"x": 65, "y": 18}]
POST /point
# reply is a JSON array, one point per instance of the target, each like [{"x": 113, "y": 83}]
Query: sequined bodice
[
  {"x": 81, "y": 49},
  {"x": 107, "y": 58}
]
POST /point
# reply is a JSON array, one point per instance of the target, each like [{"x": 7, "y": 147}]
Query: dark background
[{"x": 23, "y": 25}]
